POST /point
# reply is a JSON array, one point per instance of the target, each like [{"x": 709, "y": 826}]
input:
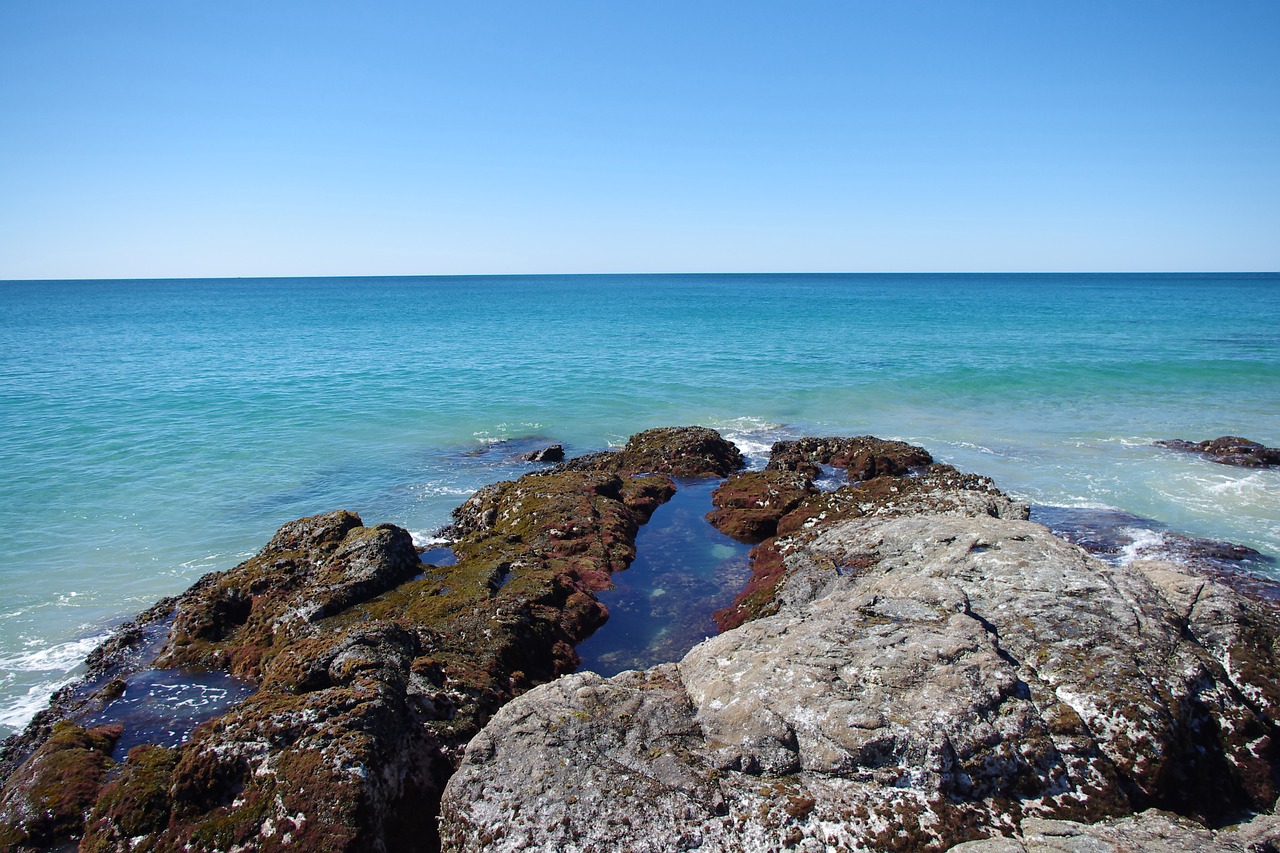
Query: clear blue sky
[{"x": 194, "y": 138}]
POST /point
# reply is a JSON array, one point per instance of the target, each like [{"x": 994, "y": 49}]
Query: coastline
[
  {"x": 161, "y": 430},
  {"x": 354, "y": 618}
]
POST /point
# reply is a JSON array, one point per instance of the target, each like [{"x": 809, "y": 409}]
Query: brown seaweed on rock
[{"x": 373, "y": 669}]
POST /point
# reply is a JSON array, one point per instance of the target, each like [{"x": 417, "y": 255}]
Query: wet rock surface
[
  {"x": 550, "y": 453},
  {"x": 373, "y": 670},
  {"x": 1117, "y": 536},
  {"x": 1229, "y": 450}
]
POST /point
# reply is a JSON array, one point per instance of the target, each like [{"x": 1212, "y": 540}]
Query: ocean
[{"x": 152, "y": 431}]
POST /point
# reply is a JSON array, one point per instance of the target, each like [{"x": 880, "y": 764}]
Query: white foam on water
[
  {"x": 753, "y": 436},
  {"x": 431, "y": 490},
  {"x": 422, "y": 539},
  {"x": 57, "y": 658},
  {"x": 1146, "y": 542},
  {"x": 20, "y": 710}
]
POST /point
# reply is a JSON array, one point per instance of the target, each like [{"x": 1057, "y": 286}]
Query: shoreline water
[{"x": 160, "y": 430}]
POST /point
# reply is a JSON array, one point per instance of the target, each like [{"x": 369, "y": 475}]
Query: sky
[{"x": 190, "y": 138}]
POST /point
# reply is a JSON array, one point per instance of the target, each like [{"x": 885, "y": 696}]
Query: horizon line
[{"x": 641, "y": 275}]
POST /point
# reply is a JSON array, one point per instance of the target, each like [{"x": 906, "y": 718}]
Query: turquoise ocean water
[{"x": 151, "y": 431}]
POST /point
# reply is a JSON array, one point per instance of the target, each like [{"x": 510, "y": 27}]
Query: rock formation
[
  {"x": 913, "y": 665},
  {"x": 924, "y": 668},
  {"x": 1229, "y": 450},
  {"x": 373, "y": 669}
]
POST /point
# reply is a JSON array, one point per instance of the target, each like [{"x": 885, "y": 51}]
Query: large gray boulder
[{"x": 926, "y": 680}]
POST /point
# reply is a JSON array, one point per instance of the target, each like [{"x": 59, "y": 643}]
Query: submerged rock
[
  {"x": 926, "y": 680},
  {"x": 1229, "y": 450}
]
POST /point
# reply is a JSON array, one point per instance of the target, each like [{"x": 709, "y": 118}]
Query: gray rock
[
  {"x": 1152, "y": 831},
  {"x": 927, "y": 680}
]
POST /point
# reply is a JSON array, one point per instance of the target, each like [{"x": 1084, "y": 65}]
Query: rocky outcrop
[
  {"x": 915, "y": 666},
  {"x": 927, "y": 678},
  {"x": 675, "y": 451},
  {"x": 784, "y": 500},
  {"x": 373, "y": 670},
  {"x": 1229, "y": 450},
  {"x": 932, "y": 696}
]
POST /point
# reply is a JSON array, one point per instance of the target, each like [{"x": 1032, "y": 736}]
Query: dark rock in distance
[
  {"x": 1229, "y": 450},
  {"x": 862, "y": 457}
]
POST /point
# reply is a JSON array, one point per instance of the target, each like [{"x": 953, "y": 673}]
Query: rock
[
  {"x": 312, "y": 568},
  {"x": 1229, "y": 450},
  {"x": 937, "y": 488},
  {"x": 749, "y": 504},
  {"x": 552, "y": 453},
  {"x": 1152, "y": 831},
  {"x": 674, "y": 451},
  {"x": 862, "y": 457},
  {"x": 45, "y": 802},
  {"x": 1116, "y": 536},
  {"x": 926, "y": 680}
]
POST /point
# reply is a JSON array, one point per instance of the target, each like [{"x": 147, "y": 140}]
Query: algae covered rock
[
  {"x": 675, "y": 451},
  {"x": 861, "y": 457},
  {"x": 45, "y": 802},
  {"x": 373, "y": 669},
  {"x": 312, "y": 568},
  {"x": 749, "y": 504}
]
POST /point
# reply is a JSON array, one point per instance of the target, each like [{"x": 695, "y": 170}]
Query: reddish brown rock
[
  {"x": 862, "y": 457},
  {"x": 675, "y": 451},
  {"x": 749, "y": 504},
  {"x": 45, "y": 802}
]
